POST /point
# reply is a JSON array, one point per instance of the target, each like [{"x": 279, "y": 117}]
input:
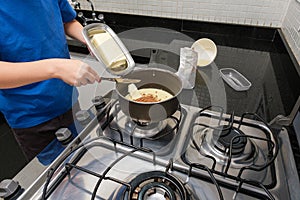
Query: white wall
[
  {"x": 291, "y": 28},
  {"x": 250, "y": 12}
]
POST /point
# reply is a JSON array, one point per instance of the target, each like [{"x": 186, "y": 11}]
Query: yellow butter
[{"x": 108, "y": 49}]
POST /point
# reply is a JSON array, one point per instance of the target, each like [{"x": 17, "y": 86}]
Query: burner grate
[
  {"x": 103, "y": 176},
  {"x": 160, "y": 182},
  {"x": 231, "y": 145},
  {"x": 146, "y": 184},
  {"x": 158, "y": 136}
]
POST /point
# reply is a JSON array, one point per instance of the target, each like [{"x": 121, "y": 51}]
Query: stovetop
[
  {"x": 259, "y": 53},
  {"x": 189, "y": 158}
]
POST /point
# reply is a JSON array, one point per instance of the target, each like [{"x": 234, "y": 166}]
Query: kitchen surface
[{"x": 261, "y": 165}]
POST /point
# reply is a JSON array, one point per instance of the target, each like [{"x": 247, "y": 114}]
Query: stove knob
[
  {"x": 8, "y": 188},
  {"x": 83, "y": 116},
  {"x": 98, "y": 102},
  {"x": 64, "y": 136}
]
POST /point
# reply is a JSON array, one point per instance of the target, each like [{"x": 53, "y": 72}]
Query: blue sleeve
[{"x": 67, "y": 12}]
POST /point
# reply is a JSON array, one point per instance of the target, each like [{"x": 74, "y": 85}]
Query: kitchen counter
[{"x": 258, "y": 53}]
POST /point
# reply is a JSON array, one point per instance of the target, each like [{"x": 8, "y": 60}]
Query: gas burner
[
  {"x": 215, "y": 142},
  {"x": 225, "y": 137},
  {"x": 138, "y": 129},
  {"x": 157, "y": 185},
  {"x": 143, "y": 131},
  {"x": 141, "y": 123},
  {"x": 149, "y": 130}
]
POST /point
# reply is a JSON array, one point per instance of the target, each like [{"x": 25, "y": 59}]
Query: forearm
[
  {"x": 19, "y": 74},
  {"x": 72, "y": 72},
  {"x": 74, "y": 30}
]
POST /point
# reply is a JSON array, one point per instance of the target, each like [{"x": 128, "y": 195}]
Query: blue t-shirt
[{"x": 33, "y": 30}]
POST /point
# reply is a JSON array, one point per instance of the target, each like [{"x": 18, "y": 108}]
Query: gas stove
[{"x": 194, "y": 154}]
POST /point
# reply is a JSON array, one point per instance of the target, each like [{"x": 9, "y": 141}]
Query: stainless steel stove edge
[{"x": 292, "y": 178}]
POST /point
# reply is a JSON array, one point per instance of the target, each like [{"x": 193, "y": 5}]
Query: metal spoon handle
[{"x": 121, "y": 80}]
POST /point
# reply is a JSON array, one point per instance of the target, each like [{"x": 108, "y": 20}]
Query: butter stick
[{"x": 108, "y": 49}]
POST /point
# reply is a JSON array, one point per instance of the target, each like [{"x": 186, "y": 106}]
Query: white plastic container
[{"x": 235, "y": 79}]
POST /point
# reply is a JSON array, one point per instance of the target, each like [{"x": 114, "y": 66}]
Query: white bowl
[{"x": 207, "y": 51}]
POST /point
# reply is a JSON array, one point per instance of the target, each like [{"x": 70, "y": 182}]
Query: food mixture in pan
[
  {"x": 147, "y": 94},
  {"x": 147, "y": 98}
]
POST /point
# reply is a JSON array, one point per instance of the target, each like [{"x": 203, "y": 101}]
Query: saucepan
[{"x": 147, "y": 112}]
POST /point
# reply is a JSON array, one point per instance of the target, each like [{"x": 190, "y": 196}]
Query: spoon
[{"x": 121, "y": 80}]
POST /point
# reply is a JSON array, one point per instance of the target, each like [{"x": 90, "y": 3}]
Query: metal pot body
[{"x": 145, "y": 112}]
